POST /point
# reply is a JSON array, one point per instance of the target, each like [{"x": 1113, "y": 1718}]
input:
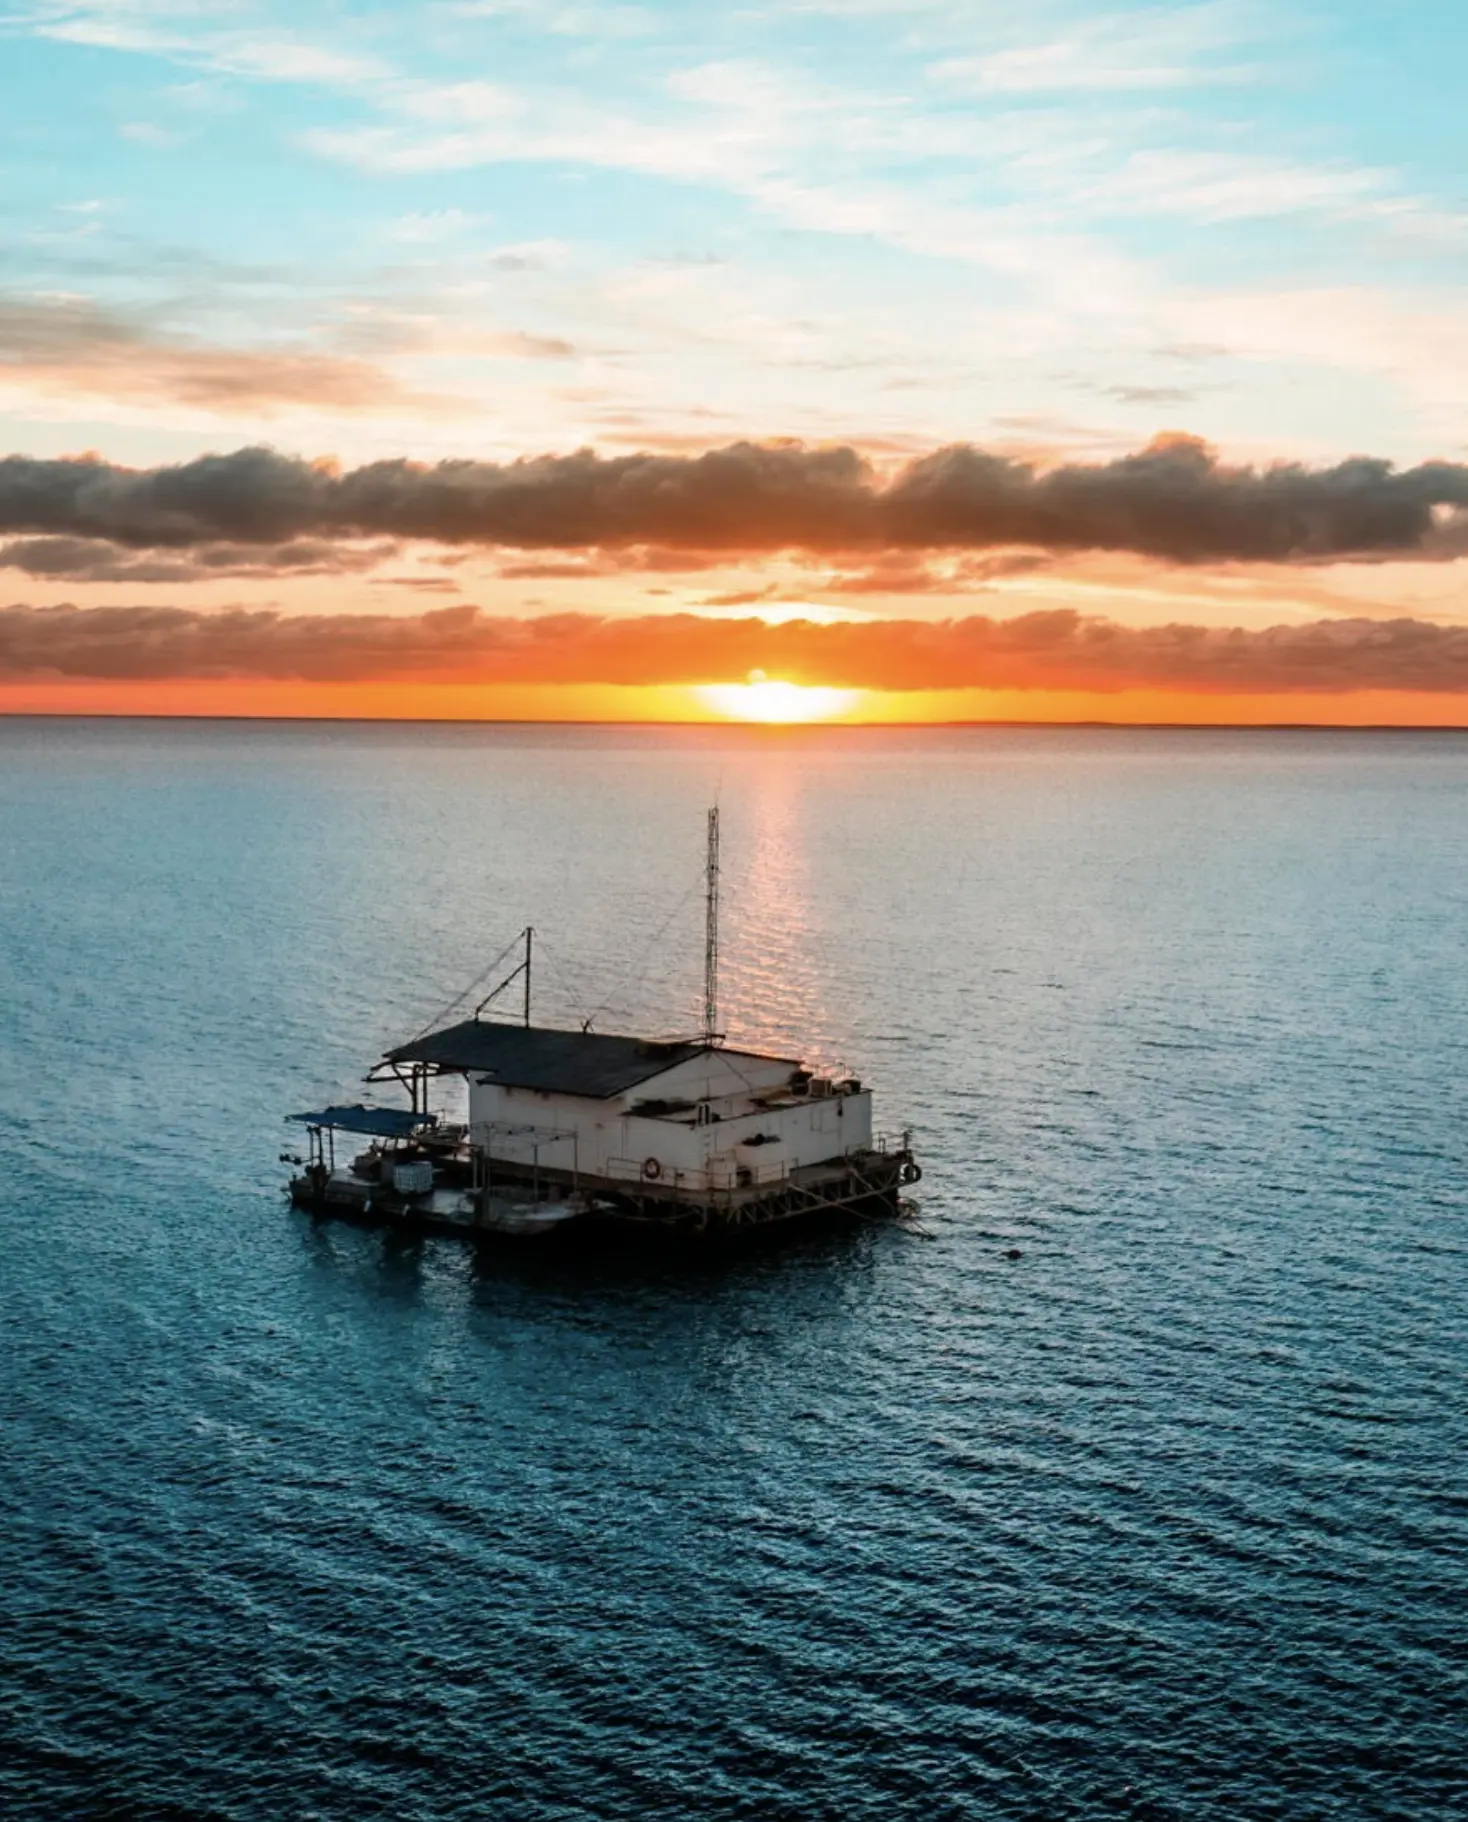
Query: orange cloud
[{"x": 1052, "y": 651}]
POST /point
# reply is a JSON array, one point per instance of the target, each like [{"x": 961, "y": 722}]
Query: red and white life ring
[{"x": 651, "y": 1169}]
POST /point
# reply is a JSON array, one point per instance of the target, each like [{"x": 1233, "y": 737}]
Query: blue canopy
[{"x": 379, "y": 1122}]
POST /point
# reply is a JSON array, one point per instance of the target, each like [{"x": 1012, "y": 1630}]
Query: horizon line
[{"x": 760, "y": 727}]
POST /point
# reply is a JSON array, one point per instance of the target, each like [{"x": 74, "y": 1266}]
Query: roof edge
[{"x": 694, "y": 1046}]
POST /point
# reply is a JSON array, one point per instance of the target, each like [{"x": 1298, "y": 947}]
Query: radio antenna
[{"x": 711, "y": 936}]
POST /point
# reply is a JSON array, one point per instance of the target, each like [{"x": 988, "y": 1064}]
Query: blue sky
[{"x": 491, "y": 227}]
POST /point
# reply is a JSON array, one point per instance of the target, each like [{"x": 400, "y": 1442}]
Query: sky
[{"x": 854, "y": 359}]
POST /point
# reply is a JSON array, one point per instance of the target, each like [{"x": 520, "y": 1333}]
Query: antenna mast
[
  {"x": 711, "y": 937},
  {"x": 522, "y": 971}
]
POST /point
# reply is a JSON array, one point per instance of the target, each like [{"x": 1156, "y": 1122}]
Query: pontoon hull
[{"x": 850, "y": 1192}]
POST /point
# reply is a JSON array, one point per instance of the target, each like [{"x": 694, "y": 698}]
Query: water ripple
[{"x": 1159, "y": 1518}]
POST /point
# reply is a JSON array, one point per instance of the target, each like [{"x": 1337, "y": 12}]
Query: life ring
[
  {"x": 651, "y": 1169},
  {"x": 912, "y": 1173}
]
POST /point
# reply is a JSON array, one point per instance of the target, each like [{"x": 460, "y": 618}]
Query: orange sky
[
  {"x": 677, "y": 703},
  {"x": 462, "y": 662},
  {"x": 1169, "y": 586}
]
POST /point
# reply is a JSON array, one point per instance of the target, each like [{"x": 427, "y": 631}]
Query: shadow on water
[
  {"x": 813, "y": 1278},
  {"x": 399, "y": 1256}
]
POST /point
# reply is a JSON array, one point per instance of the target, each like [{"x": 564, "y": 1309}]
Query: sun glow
[{"x": 764, "y": 698}]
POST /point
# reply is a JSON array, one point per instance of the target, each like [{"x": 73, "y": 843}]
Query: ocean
[{"x": 1126, "y": 1479}]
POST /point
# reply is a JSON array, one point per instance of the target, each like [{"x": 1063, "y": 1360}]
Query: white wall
[
  {"x": 609, "y": 1142},
  {"x": 716, "y": 1075},
  {"x": 811, "y": 1132}
]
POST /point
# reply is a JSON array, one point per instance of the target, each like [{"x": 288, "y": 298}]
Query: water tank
[{"x": 414, "y": 1179}]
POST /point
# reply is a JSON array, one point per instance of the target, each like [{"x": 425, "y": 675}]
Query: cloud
[
  {"x": 893, "y": 573},
  {"x": 1051, "y": 650},
  {"x": 71, "y": 345},
  {"x": 560, "y": 569},
  {"x": 563, "y": 21},
  {"x": 901, "y": 573},
  {"x": 1156, "y": 49},
  {"x": 1149, "y": 395},
  {"x": 1235, "y": 186},
  {"x": 742, "y": 597},
  {"x": 70, "y": 559},
  {"x": 374, "y": 330},
  {"x": 428, "y": 227},
  {"x": 286, "y": 59},
  {"x": 1173, "y": 500},
  {"x": 530, "y": 255},
  {"x": 182, "y": 32},
  {"x": 518, "y": 344},
  {"x": 148, "y": 133}
]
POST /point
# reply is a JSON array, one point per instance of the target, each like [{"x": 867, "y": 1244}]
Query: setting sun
[{"x": 763, "y": 698}]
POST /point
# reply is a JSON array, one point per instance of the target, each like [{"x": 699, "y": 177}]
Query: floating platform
[
  {"x": 574, "y": 1134},
  {"x": 862, "y": 1187}
]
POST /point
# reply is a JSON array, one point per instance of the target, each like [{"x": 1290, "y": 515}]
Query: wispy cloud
[
  {"x": 574, "y": 21},
  {"x": 1158, "y": 48},
  {"x": 1233, "y": 186},
  {"x": 149, "y": 133},
  {"x": 286, "y": 59},
  {"x": 930, "y": 215},
  {"x": 429, "y": 227},
  {"x": 208, "y": 37},
  {"x": 70, "y": 345},
  {"x": 1411, "y": 340}
]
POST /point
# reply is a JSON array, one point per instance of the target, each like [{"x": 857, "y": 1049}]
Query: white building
[{"x": 686, "y": 1117}]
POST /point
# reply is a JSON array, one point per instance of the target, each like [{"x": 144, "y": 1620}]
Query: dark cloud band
[
  {"x": 71, "y": 559},
  {"x": 1173, "y": 500},
  {"x": 1059, "y": 650}
]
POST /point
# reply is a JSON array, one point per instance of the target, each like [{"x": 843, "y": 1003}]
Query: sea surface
[{"x": 1127, "y": 1478}]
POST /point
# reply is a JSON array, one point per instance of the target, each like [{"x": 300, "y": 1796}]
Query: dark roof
[
  {"x": 589, "y": 1063},
  {"x": 380, "y": 1122}
]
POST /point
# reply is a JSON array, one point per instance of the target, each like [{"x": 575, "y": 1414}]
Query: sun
[{"x": 771, "y": 699}]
